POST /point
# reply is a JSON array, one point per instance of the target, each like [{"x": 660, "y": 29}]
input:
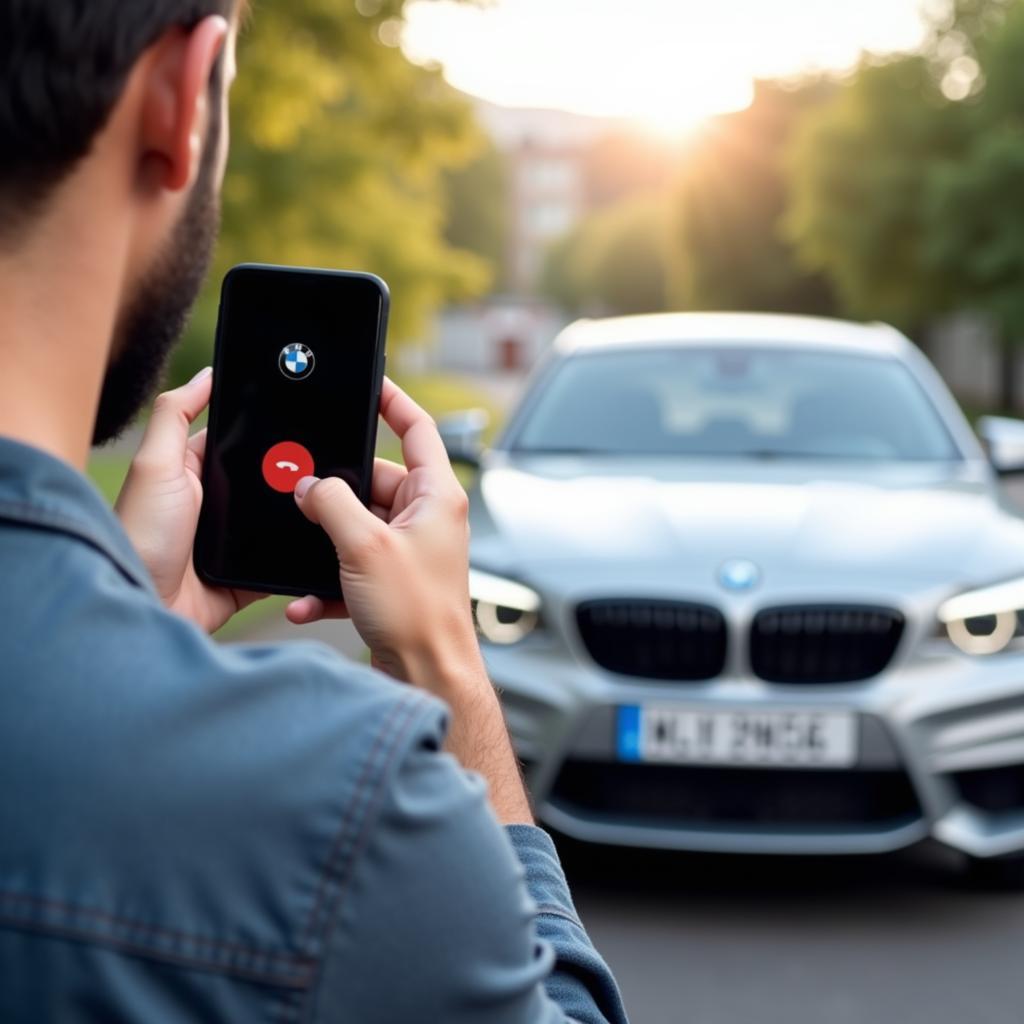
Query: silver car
[{"x": 747, "y": 583}]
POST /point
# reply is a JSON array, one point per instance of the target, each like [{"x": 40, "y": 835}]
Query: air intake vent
[
  {"x": 823, "y": 643},
  {"x": 653, "y": 639},
  {"x": 773, "y": 800}
]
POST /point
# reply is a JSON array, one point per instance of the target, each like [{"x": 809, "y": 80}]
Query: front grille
[
  {"x": 654, "y": 639},
  {"x": 828, "y": 643},
  {"x": 993, "y": 790},
  {"x": 668, "y": 796}
]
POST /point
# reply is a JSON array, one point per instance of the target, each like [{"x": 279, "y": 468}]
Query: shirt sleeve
[
  {"x": 448, "y": 917},
  {"x": 580, "y": 983}
]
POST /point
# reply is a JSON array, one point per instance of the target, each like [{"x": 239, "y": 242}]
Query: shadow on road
[
  {"x": 721, "y": 879},
  {"x": 697, "y": 939}
]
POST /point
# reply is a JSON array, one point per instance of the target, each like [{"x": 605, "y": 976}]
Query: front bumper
[{"x": 941, "y": 755}]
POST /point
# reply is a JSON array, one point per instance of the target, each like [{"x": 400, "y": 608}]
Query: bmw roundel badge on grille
[{"x": 739, "y": 575}]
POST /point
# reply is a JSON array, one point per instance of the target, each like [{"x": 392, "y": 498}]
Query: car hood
[{"x": 927, "y": 522}]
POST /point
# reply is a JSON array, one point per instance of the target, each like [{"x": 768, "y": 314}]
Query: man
[{"x": 191, "y": 832}]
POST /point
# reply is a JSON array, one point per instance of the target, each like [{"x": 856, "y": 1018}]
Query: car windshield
[{"x": 756, "y": 402}]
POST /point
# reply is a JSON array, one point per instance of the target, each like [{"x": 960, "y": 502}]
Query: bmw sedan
[{"x": 747, "y": 583}]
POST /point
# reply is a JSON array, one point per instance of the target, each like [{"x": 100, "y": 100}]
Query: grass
[
  {"x": 108, "y": 470},
  {"x": 441, "y": 394},
  {"x": 249, "y": 620},
  {"x": 976, "y": 412},
  {"x": 438, "y": 393}
]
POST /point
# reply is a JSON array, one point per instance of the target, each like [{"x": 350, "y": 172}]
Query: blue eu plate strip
[{"x": 629, "y": 733}]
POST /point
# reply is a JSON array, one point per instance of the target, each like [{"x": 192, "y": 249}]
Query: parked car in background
[{"x": 747, "y": 583}]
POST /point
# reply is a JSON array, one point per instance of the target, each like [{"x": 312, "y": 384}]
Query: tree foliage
[
  {"x": 975, "y": 202},
  {"x": 859, "y": 169},
  {"x": 615, "y": 262},
  {"x": 730, "y": 252},
  {"x": 339, "y": 144},
  {"x": 706, "y": 233},
  {"x": 906, "y": 187},
  {"x": 478, "y": 209}
]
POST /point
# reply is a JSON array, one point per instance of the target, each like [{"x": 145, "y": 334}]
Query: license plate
[{"x": 673, "y": 735}]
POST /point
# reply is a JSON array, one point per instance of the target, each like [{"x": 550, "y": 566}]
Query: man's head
[{"x": 140, "y": 86}]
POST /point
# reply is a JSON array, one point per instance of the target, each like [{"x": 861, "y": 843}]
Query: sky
[{"x": 667, "y": 63}]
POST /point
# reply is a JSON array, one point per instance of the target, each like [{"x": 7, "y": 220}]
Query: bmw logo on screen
[{"x": 297, "y": 362}]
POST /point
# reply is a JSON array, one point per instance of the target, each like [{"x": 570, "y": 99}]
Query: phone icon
[{"x": 285, "y": 465}]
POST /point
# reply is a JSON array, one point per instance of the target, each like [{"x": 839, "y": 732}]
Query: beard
[{"x": 157, "y": 313}]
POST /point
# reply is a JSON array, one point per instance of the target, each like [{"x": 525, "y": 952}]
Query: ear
[{"x": 175, "y": 109}]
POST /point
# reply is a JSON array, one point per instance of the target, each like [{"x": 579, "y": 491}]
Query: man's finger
[
  {"x": 166, "y": 436},
  {"x": 334, "y": 505},
  {"x": 197, "y": 444},
  {"x": 195, "y": 452},
  {"x": 307, "y": 610},
  {"x": 387, "y": 478},
  {"x": 421, "y": 442}
]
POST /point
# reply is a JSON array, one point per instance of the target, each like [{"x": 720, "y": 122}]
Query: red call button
[{"x": 285, "y": 465}]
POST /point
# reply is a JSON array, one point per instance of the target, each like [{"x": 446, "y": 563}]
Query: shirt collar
[{"x": 43, "y": 493}]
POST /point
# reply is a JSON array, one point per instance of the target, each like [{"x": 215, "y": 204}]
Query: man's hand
[
  {"x": 405, "y": 577},
  {"x": 159, "y": 507},
  {"x": 405, "y": 565}
]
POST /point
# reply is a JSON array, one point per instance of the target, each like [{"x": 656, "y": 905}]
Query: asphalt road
[{"x": 896, "y": 940}]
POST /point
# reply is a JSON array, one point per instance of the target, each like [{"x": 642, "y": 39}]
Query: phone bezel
[{"x": 379, "y": 357}]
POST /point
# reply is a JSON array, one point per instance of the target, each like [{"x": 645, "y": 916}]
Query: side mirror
[
  {"x": 463, "y": 436},
  {"x": 1003, "y": 439}
]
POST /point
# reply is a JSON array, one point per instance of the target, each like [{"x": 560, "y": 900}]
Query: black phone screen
[{"x": 296, "y": 391}]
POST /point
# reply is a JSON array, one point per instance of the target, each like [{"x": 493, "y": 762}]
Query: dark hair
[{"x": 63, "y": 67}]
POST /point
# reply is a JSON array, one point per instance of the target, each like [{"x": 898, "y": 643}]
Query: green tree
[
  {"x": 906, "y": 187},
  {"x": 859, "y": 169},
  {"x": 339, "y": 146},
  {"x": 614, "y": 262},
  {"x": 478, "y": 208},
  {"x": 975, "y": 202},
  {"x": 730, "y": 252}
]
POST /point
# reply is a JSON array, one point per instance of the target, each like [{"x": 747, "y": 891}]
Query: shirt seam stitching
[
  {"x": 400, "y": 727},
  {"x": 298, "y": 976},
  {"x": 549, "y": 910},
  {"x": 353, "y": 817},
  {"x": 286, "y": 962},
  {"x": 400, "y": 733}
]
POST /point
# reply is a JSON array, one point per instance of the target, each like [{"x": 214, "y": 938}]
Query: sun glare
[
  {"x": 678, "y": 118},
  {"x": 667, "y": 64}
]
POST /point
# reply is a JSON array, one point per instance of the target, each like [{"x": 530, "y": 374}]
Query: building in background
[
  {"x": 499, "y": 335},
  {"x": 560, "y": 167},
  {"x": 547, "y": 158}
]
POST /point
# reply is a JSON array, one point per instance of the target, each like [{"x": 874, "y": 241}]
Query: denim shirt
[{"x": 195, "y": 832}]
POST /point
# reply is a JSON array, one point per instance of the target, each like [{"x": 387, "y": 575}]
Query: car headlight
[
  {"x": 505, "y": 612},
  {"x": 985, "y": 621}
]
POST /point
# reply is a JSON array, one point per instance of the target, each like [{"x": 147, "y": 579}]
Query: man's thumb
[{"x": 333, "y": 505}]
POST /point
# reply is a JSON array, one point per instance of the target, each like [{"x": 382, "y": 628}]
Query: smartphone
[{"x": 298, "y": 371}]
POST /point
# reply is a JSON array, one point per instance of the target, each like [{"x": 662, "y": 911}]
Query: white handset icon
[{"x": 290, "y": 466}]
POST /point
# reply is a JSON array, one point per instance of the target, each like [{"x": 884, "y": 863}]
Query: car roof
[{"x": 723, "y": 329}]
